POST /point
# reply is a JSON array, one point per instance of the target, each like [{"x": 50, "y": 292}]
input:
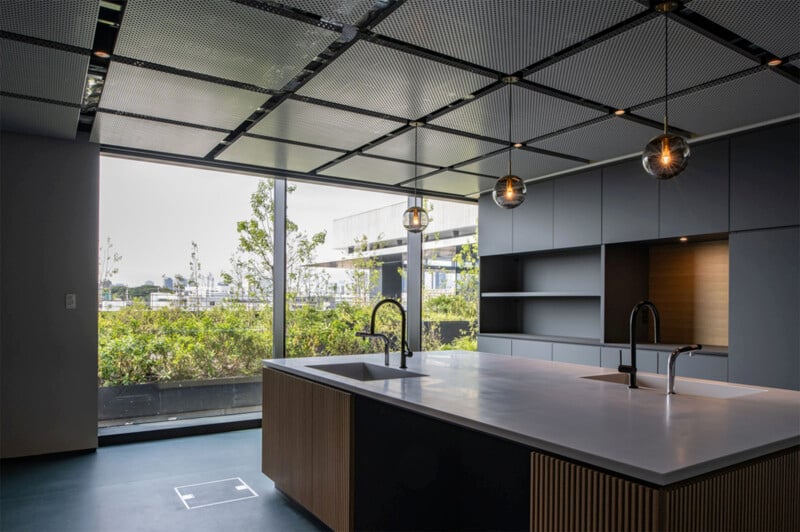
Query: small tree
[
  {"x": 107, "y": 268},
  {"x": 363, "y": 277},
  {"x": 195, "y": 274},
  {"x": 257, "y": 241}
]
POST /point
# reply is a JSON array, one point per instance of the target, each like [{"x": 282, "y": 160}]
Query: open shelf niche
[{"x": 543, "y": 294}]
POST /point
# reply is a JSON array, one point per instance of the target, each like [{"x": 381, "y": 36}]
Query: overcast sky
[{"x": 153, "y": 212}]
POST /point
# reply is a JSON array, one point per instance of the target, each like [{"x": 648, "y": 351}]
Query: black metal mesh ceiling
[
  {"x": 504, "y": 35},
  {"x": 434, "y": 147},
  {"x": 384, "y": 80},
  {"x": 327, "y": 88},
  {"x": 159, "y": 94},
  {"x": 325, "y": 126},
  {"x": 220, "y": 38},
  {"x": 770, "y": 24},
  {"x": 64, "y": 21},
  {"x": 628, "y": 69}
]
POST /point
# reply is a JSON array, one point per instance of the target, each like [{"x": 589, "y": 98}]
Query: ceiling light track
[
  {"x": 721, "y": 35},
  {"x": 44, "y": 43},
  {"x": 161, "y": 120},
  {"x": 425, "y": 53},
  {"x": 348, "y": 108},
  {"x": 285, "y": 11},
  {"x": 192, "y": 74}
]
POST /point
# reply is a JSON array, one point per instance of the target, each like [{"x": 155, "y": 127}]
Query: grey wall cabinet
[
  {"x": 696, "y": 201},
  {"x": 698, "y": 367},
  {"x": 491, "y": 344},
  {"x": 495, "y": 236},
  {"x": 577, "y": 354},
  {"x": 764, "y": 338},
  {"x": 630, "y": 203},
  {"x": 577, "y": 210},
  {"x": 532, "y": 349},
  {"x": 533, "y": 220},
  {"x": 765, "y": 178}
]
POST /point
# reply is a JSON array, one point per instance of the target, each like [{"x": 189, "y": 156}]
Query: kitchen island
[{"x": 596, "y": 453}]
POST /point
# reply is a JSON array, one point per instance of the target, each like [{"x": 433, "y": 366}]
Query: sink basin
[
  {"x": 361, "y": 371},
  {"x": 698, "y": 388}
]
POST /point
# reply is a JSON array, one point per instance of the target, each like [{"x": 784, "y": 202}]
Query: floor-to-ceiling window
[
  {"x": 450, "y": 276},
  {"x": 346, "y": 250},
  {"x": 184, "y": 291}
]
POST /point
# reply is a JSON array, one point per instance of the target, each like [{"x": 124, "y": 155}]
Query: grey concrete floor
[{"x": 132, "y": 487}]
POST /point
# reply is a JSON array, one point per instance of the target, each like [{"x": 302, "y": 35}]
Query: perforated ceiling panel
[
  {"x": 347, "y": 11},
  {"x": 249, "y": 150},
  {"x": 435, "y": 147},
  {"x": 602, "y": 140},
  {"x": 153, "y": 93},
  {"x": 38, "y": 118},
  {"x": 770, "y": 24},
  {"x": 534, "y": 114},
  {"x": 220, "y": 38},
  {"x": 325, "y": 126},
  {"x": 374, "y": 170},
  {"x": 525, "y": 164},
  {"x": 629, "y": 69},
  {"x": 115, "y": 130},
  {"x": 66, "y": 21},
  {"x": 41, "y": 72},
  {"x": 506, "y": 35},
  {"x": 451, "y": 182},
  {"x": 747, "y": 100},
  {"x": 384, "y": 80}
]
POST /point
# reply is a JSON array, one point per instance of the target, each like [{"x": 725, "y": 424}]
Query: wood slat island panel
[
  {"x": 307, "y": 445},
  {"x": 757, "y": 495}
]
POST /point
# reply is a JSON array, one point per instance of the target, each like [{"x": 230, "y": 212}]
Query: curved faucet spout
[
  {"x": 404, "y": 350},
  {"x": 656, "y": 333}
]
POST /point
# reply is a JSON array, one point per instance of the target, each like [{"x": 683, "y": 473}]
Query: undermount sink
[
  {"x": 362, "y": 371},
  {"x": 696, "y": 388}
]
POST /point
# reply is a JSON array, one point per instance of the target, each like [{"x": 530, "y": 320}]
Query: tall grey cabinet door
[
  {"x": 533, "y": 220},
  {"x": 765, "y": 178},
  {"x": 630, "y": 203},
  {"x": 494, "y": 227},
  {"x": 696, "y": 201},
  {"x": 576, "y": 210},
  {"x": 764, "y": 310}
]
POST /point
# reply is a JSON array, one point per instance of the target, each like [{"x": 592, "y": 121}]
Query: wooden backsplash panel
[{"x": 689, "y": 285}]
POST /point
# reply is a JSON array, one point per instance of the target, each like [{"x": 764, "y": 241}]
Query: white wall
[{"x": 49, "y": 234}]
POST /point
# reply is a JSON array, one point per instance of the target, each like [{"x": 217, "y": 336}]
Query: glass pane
[
  {"x": 183, "y": 281},
  {"x": 346, "y": 250},
  {"x": 450, "y": 281}
]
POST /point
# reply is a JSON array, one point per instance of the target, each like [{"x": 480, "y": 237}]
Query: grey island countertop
[{"x": 643, "y": 433}]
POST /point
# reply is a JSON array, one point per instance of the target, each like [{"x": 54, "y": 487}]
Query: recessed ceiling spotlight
[
  {"x": 683, "y": 239},
  {"x": 517, "y": 144},
  {"x": 775, "y": 62},
  {"x": 469, "y": 97},
  {"x": 619, "y": 112},
  {"x": 102, "y": 54}
]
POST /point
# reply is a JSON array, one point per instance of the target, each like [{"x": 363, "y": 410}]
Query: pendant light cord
[
  {"x": 666, "y": 71},
  {"x": 509, "y": 129},
  {"x": 416, "y": 171}
]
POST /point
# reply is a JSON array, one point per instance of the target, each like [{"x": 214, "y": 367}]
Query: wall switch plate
[{"x": 71, "y": 301}]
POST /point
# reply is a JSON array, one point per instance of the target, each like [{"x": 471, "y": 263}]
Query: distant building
[{"x": 452, "y": 226}]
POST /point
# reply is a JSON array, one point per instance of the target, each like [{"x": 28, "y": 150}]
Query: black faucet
[
  {"x": 404, "y": 350},
  {"x": 656, "y": 326}
]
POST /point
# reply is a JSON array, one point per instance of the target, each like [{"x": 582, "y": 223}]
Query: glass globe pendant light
[
  {"x": 666, "y": 155},
  {"x": 509, "y": 190},
  {"x": 415, "y": 218}
]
